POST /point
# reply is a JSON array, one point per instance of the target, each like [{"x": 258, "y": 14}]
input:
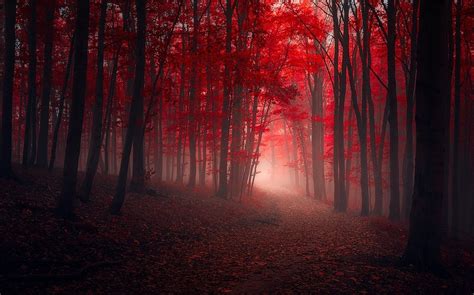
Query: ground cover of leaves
[{"x": 182, "y": 241}]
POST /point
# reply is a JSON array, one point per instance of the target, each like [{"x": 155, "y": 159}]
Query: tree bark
[
  {"x": 193, "y": 97},
  {"x": 423, "y": 248},
  {"x": 7, "y": 101},
  {"x": 42, "y": 160},
  {"x": 96, "y": 130},
  {"x": 456, "y": 196},
  {"x": 57, "y": 124},
  {"x": 109, "y": 111},
  {"x": 408, "y": 164},
  {"x": 134, "y": 126},
  {"x": 225, "y": 125},
  {"x": 29, "y": 146},
  {"x": 394, "y": 212},
  {"x": 73, "y": 145}
]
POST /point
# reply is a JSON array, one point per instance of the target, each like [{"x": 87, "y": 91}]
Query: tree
[
  {"x": 423, "y": 248},
  {"x": 96, "y": 132},
  {"x": 8, "y": 72},
  {"x": 225, "y": 124},
  {"x": 42, "y": 155},
  {"x": 410, "y": 93},
  {"x": 73, "y": 144},
  {"x": 29, "y": 147},
  {"x": 456, "y": 200},
  {"x": 134, "y": 116},
  {"x": 394, "y": 212},
  {"x": 57, "y": 124}
]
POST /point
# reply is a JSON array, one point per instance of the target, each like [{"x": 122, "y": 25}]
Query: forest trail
[{"x": 189, "y": 242}]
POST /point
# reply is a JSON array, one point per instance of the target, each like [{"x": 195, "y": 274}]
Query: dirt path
[{"x": 189, "y": 242}]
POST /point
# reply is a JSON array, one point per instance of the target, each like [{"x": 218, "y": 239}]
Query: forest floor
[{"x": 184, "y": 241}]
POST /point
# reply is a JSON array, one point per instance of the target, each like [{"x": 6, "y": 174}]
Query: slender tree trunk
[
  {"x": 341, "y": 205},
  {"x": 423, "y": 248},
  {"x": 134, "y": 126},
  {"x": 361, "y": 116},
  {"x": 337, "y": 195},
  {"x": 137, "y": 183},
  {"x": 182, "y": 89},
  {"x": 7, "y": 101},
  {"x": 57, "y": 124},
  {"x": 29, "y": 146},
  {"x": 42, "y": 160},
  {"x": 408, "y": 164},
  {"x": 456, "y": 196},
  {"x": 305, "y": 160},
  {"x": 376, "y": 164},
  {"x": 225, "y": 125},
  {"x": 73, "y": 145},
  {"x": 394, "y": 212},
  {"x": 193, "y": 97},
  {"x": 109, "y": 110},
  {"x": 96, "y": 130},
  {"x": 347, "y": 183},
  {"x": 295, "y": 158},
  {"x": 317, "y": 137}
]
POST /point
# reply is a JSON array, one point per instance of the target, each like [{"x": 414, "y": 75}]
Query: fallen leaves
[{"x": 191, "y": 243}]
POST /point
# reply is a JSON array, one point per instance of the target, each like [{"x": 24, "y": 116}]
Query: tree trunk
[
  {"x": 29, "y": 147},
  {"x": 456, "y": 196},
  {"x": 181, "y": 133},
  {"x": 394, "y": 212},
  {"x": 57, "y": 124},
  {"x": 134, "y": 126},
  {"x": 193, "y": 97},
  {"x": 109, "y": 110},
  {"x": 96, "y": 130},
  {"x": 73, "y": 145},
  {"x": 8, "y": 74},
  {"x": 423, "y": 248},
  {"x": 225, "y": 125},
  {"x": 317, "y": 136},
  {"x": 42, "y": 156}
]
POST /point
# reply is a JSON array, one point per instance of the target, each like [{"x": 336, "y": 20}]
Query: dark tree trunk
[
  {"x": 73, "y": 145},
  {"x": 317, "y": 137},
  {"x": 137, "y": 183},
  {"x": 134, "y": 126},
  {"x": 109, "y": 110},
  {"x": 456, "y": 196},
  {"x": 8, "y": 73},
  {"x": 408, "y": 164},
  {"x": 376, "y": 164},
  {"x": 394, "y": 212},
  {"x": 193, "y": 97},
  {"x": 181, "y": 133},
  {"x": 42, "y": 159},
  {"x": 29, "y": 147},
  {"x": 360, "y": 113},
  {"x": 340, "y": 205},
  {"x": 225, "y": 125},
  {"x": 337, "y": 182},
  {"x": 96, "y": 130},
  {"x": 57, "y": 124},
  {"x": 423, "y": 248}
]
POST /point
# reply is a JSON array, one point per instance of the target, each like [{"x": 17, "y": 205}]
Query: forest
[{"x": 236, "y": 146}]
